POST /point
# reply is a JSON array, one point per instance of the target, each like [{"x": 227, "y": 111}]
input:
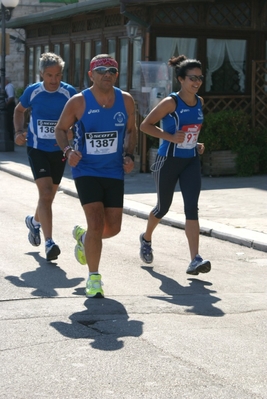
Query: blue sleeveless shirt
[
  {"x": 186, "y": 118},
  {"x": 99, "y": 136},
  {"x": 46, "y": 107}
]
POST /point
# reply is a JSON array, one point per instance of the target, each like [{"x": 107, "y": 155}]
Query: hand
[
  {"x": 20, "y": 138},
  {"x": 200, "y": 148},
  {"x": 128, "y": 164},
  {"x": 178, "y": 137},
  {"x": 74, "y": 158}
]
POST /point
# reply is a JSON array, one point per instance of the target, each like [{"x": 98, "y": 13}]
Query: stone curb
[{"x": 247, "y": 238}]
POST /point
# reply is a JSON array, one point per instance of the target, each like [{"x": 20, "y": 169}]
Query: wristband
[
  {"x": 130, "y": 156},
  {"x": 66, "y": 149}
]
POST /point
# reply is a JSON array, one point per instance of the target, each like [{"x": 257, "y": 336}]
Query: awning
[{"x": 62, "y": 12}]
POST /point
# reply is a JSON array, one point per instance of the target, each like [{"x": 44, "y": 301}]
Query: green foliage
[
  {"x": 19, "y": 91},
  {"x": 224, "y": 130},
  {"x": 231, "y": 130},
  {"x": 247, "y": 161},
  {"x": 153, "y": 142}
]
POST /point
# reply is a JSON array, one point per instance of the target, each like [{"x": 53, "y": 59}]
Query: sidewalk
[{"x": 230, "y": 208}]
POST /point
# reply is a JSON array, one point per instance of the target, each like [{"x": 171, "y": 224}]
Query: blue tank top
[
  {"x": 187, "y": 118},
  {"x": 99, "y": 136},
  {"x": 46, "y": 107}
]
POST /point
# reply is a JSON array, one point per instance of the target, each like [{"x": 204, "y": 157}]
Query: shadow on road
[
  {"x": 45, "y": 279},
  {"x": 196, "y": 298},
  {"x": 105, "y": 321}
]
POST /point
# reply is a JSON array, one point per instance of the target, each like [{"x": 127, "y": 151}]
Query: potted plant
[
  {"x": 231, "y": 145},
  {"x": 153, "y": 145}
]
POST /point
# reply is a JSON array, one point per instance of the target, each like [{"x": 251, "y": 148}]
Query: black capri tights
[{"x": 166, "y": 172}]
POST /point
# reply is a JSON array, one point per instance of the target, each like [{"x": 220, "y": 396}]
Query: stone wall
[{"x": 15, "y": 58}]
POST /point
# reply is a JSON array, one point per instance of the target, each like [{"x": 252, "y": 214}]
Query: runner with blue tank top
[
  {"x": 178, "y": 158},
  {"x": 105, "y": 135},
  {"x": 100, "y": 138},
  {"x": 45, "y": 100}
]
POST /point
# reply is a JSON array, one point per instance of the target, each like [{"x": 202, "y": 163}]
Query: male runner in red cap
[{"x": 105, "y": 138}]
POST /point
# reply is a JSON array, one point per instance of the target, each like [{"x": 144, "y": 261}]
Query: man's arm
[
  {"x": 20, "y": 132},
  {"x": 72, "y": 111},
  {"x": 131, "y": 133}
]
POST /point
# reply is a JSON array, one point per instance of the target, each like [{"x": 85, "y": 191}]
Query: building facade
[{"x": 230, "y": 39}]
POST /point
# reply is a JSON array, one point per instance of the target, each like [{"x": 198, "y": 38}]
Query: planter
[
  {"x": 152, "y": 153},
  {"x": 219, "y": 163}
]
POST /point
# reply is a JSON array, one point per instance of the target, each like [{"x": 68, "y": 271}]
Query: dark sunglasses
[
  {"x": 103, "y": 70},
  {"x": 195, "y": 78}
]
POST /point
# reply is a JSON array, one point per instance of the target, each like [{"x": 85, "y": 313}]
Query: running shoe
[
  {"x": 198, "y": 265},
  {"x": 145, "y": 250},
  {"x": 94, "y": 287},
  {"x": 34, "y": 233},
  {"x": 52, "y": 250},
  {"x": 79, "y": 252}
]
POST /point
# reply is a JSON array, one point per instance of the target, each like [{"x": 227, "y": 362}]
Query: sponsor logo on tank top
[
  {"x": 93, "y": 111},
  {"x": 184, "y": 110},
  {"x": 200, "y": 114},
  {"x": 119, "y": 119}
]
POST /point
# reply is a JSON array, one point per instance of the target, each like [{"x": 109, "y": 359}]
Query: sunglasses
[
  {"x": 101, "y": 70},
  {"x": 195, "y": 78}
]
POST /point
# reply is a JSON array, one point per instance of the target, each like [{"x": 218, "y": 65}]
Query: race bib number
[
  {"x": 101, "y": 143},
  {"x": 191, "y": 136},
  {"x": 46, "y": 129}
]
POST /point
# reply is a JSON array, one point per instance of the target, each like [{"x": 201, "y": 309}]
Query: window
[
  {"x": 31, "y": 65},
  {"x": 123, "y": 69},
  {"x": 226, "y": 66},
  {"x": 77, "y": 64},
  {"x": 98, "y": 47},
  {"x": 137, "y": 53},
  {"x": 87, "y": 59},
  {"x": 57, "y": 49},
  {"x": 168, "y": 47},
  {"x": 37, "y": 61},
  {"x": 112, "y": 47},
  {"x": 66, "y": 58}
]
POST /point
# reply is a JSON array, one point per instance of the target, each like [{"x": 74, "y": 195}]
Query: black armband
[{"x": 130, "y": 156}]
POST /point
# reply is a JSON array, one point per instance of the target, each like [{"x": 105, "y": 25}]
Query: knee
[
  {"x": 159, "y": 213},
  {"x": 46, "y": 195},
  {"x": 111, "y": 231},
  {"x": 191, "y": 213}
]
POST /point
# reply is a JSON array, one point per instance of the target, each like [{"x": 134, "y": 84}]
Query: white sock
[
  {"x": 34, "y": 222},
  {"x": 90, "y": 273},
  {"x": 82, "y": 238}
]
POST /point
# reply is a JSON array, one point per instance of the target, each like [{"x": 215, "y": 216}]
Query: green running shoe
[
  {"x": 94, "y": 287},
  {"x": 79, "y": 253}
]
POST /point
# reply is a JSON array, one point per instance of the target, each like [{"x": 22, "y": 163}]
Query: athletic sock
[{"x": 34, "y": 222}]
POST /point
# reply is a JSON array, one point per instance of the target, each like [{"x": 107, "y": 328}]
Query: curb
[{"x": 240, "y": 236}]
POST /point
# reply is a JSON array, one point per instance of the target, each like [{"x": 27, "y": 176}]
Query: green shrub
[
  {"x": 18, "y": 92},
  {"x": 224, "y": 130},
  {"x": 231, "y": 130}
]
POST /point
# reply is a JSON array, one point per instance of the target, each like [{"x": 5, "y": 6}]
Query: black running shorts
[
  {"x": 100, "y": 189},
  {"x": 46, "y": 164}
]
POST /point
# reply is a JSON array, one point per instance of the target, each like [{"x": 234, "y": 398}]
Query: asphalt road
[{"x": 159, "y": 333}]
